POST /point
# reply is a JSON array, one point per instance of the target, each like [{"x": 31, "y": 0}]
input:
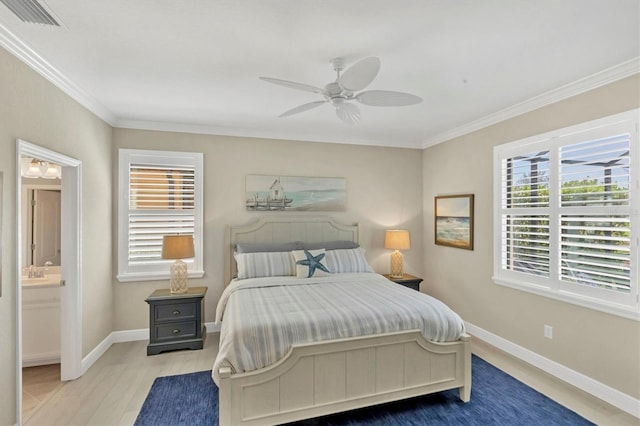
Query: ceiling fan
[{"x": 341, "y": 92}]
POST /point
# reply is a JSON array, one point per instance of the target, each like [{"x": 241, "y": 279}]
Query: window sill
[
  {"x": 624, "y": 311},
  {"x": 154, "y": 277}
]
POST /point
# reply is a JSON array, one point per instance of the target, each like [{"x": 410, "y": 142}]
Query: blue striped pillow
[
  {"x": 348, "y": 260},
  {"x": 265, "y": 264}
]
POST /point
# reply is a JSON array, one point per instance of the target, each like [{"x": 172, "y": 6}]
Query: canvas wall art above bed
[
  {"x": 308, "y": 328},
  {"x": 295, "y": 193}
]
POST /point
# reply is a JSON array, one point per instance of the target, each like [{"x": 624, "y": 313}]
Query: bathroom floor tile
[{"x": 38, "y": 384}]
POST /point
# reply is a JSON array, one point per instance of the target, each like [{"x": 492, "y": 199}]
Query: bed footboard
[{"x": 329, "y": 377}]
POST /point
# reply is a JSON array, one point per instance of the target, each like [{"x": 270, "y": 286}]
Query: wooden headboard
[{"x": 284, "y": 229}]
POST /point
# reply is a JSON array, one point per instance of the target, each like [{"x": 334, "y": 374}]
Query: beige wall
[
  {"x": 384, "y": 190},
  {"x": 34, "y": 110},
  {"x": 601, "y": 346}
]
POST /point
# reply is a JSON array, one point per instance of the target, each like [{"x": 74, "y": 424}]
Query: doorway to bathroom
[
  {"x": 40, "y": 283},
  {"x": 48, "y": 260}
]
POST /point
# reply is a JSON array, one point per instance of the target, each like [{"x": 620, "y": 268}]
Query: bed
[{"x": 343, "y": 370}]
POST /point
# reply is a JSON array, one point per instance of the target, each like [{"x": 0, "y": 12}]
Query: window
[
  {"x": 566, "y": 214},
  {"x": 160, "y": 193}
]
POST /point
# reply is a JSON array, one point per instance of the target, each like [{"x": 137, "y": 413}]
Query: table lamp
[
  {"x": 178, "y": 247},
  {"x": 397, "y": 239}
]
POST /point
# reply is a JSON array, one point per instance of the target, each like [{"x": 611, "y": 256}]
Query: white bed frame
[{"x": 322, "y": 378}]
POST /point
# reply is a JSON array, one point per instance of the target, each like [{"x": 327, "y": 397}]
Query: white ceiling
[{"x": 193, "y": 65}]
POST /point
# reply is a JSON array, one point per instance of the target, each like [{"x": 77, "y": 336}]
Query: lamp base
[
  {"x": 179, "y": 275},
  {"x": 397, "y": 260}
]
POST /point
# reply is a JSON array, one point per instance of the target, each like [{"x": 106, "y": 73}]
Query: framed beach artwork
[
  {"x": 295, "y": 193},
  {"x": 454, "y": 221}
]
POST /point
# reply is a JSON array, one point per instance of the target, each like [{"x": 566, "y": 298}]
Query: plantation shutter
[
  {"x": 566, "y": 214},
  {"x": 595, "y": 221},
  {"x": 160, "y": 193},
  {"x": 525, "y": 213},
  {"x": 161, "y": 202}
]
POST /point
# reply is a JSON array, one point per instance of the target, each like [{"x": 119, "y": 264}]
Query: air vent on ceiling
[{"x": 30, "y": 11}]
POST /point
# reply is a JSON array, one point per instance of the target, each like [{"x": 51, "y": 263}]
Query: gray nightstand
[
  {"x": 176, "y": 321},
  {"x": 407, "y": 281}
]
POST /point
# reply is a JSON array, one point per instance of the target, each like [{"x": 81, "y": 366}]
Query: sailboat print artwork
[{"x": 295, "y": 193}]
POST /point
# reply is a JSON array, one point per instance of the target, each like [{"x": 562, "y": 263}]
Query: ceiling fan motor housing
[{"x": 334, "y": 90}]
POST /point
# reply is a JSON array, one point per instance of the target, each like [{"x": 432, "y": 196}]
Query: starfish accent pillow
[{"x": 310, "y": 263}]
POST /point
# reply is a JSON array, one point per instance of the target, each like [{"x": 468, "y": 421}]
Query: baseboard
[
  {"x": 604, "y": 392},
  {"x": 127, "y": 336},
  {"x": 96, "y": 353},
  {"x": 130, "y": 335},
  {"x": 40, "y": 359}
]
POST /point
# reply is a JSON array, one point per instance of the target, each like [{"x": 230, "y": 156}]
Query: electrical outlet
[{"x": 548, "y": 331}]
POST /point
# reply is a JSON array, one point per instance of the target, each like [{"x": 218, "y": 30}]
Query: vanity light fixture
[{"x": 34, "y": 168}]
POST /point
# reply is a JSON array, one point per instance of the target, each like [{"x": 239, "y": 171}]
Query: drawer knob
[
  {"x": 176, "y": 312},
  {"x": 176, "y": 331}
]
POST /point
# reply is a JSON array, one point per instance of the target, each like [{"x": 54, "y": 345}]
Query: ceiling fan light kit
[{"x": 341, "y": 92}]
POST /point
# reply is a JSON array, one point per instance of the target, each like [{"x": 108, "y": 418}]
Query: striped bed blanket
[{"x": 263, "y": 317}]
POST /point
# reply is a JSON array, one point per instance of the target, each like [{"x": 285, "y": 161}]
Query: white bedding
[{"x": 263, "y": 317}]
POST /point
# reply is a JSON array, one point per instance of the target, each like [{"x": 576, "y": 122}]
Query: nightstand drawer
[
  {"x": 175, "y": 311},
  {"x": 175, "y": 330}
]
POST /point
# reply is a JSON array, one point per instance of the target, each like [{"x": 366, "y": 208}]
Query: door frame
[{"x": 71, "y": 264}]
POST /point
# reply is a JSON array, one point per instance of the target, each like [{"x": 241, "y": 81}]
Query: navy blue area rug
[{"x": 496, "y": 399}]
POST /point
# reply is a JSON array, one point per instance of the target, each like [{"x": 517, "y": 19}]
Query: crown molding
[
  {"x": 602, "y": 78},
  {"x": 252, "y": 133},
  {"x": 26, "y": 54}
]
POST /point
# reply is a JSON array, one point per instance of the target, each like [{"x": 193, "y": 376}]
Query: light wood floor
[
  {"x": 114, "y": 388},
  {"x": 39, "y": 383}
]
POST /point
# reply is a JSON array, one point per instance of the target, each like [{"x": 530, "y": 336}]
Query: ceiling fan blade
[
  {"x": 293, "y": 85},
  {"x": 387, "y": 98},
  {"x": 349, "y": 113},
  {"x": 360, "y": 75},
  {"x": 301, "y": 108}
]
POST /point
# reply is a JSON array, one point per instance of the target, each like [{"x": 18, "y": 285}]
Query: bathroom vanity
[{"x": 41, "y": 319}]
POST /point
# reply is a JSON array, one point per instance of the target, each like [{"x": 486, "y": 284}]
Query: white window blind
[
  {"x": 161, "y": 202},
  {"x": 594, "y": 180},
  {"x": 595, "y": 251},
  {"x": 526, "y": 243},
  {"x": 525, "y": 213},
  {"x": 566, "y": 214},
  {"x": 160, "y": 194}
]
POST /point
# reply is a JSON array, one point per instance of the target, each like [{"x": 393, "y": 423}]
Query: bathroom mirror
[{"x": 41, "y": 220}]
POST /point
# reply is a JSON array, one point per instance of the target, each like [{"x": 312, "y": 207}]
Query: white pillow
[
  {"x": 347, "y": 260},
  {"x": 265, "y": 264},
  {"x": 310, "y": 263}
]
